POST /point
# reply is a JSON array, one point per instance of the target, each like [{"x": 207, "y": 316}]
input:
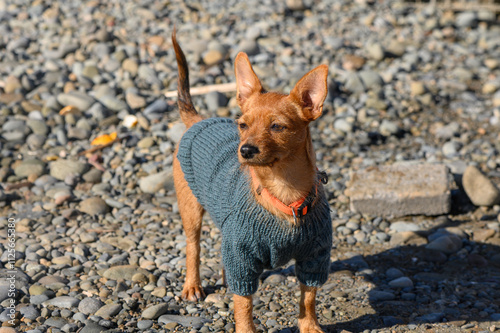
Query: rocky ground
[{"x": 98, "y": 238}]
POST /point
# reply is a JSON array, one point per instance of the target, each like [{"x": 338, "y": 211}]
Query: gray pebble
[{"x": 89, "y": 305}]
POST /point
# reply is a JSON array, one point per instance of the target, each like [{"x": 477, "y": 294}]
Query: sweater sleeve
[
  {"x": 242, "y": 266},
  {"x": 313, "y": 271}
]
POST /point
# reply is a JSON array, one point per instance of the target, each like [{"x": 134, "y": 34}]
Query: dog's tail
[{"x": 189, "y": 115}]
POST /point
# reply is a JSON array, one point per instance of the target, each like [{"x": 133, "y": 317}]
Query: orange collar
[{"x": 296, "y": 209}]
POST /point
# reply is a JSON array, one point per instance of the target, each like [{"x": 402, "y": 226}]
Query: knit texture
[{"x": 252, "y": 238}]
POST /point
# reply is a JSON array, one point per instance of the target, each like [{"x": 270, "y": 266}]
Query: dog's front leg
[
  {"x": 243, "y": 316},
  {"x": 308, "y": 322}
]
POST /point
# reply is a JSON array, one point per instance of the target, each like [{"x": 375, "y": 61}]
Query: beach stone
[
  {"x": 123, "y": 272},
  {"x": 343, "y": 125},
  {"x": 213, "y": 57},
  {"x": 146, "y": 142},
  {"x": 74, "y": 98},
  {"x": 401, "y": 226},
  {"x": 466, "y": 19},
  {"x": 371, "y": 79},
  {"x": 37, "y": 290},
  {"x": 376, "y": 51},
  {"x": 417, "y": 88},
  {"x": 176, "y": 132},
  {"x": 66, "y": 302},
  {"x": 38, "y": 126},
  {"x": 94, "y": 206},
  {"x": 396, "y": 48},
  {"x": 14, "y": 125},
  {"x": 156, "y": 109},
  {"x": 93, "y": 176},
  {"x": 55, "y": 322},
  {"x": 108, "y": 310},
  {"x": 353, "y": 83},
  {"x": 131, "y": 66},
  {"x": 60, "y": 169},
  {"x": 89, "y": 305},
  {"x": 430, "y": 318},
  {"x": 393, "y": 273},
  {"x": 447, "y": 244},
  {"x": 250, "y": 47},
  {"x": 401, "y": 189},
  {"x": 134, "y": 100},
  {"x": 30, "y": 167},
  {"x": 186, "y": 321},
  {"x": 113, "y": 103},
  {"x": 30, "y": 312},
  {"x": 295, "y": 4},
  {"x": 215, "y": 100},
  {"x": 378, "y": 296},
  {"x": 155, "y": 311},
  {"x": 479, "y": 188},
  {"x": 402, "y": 282},
  {"x": 155, "y": 182},
  {"x": 144, "y": 324}
]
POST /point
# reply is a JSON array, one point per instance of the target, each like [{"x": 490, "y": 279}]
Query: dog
[{"x": 258, "y": 180}]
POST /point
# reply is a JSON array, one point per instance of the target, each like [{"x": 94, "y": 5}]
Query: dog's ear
[
  {"x": 247, "y": 83},
  {"x": 310, "y": 92}
]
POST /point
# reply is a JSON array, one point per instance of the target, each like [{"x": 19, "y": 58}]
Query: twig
[
  {"x": 17, "y": 186},
  {"x": 224, "y": 87}
]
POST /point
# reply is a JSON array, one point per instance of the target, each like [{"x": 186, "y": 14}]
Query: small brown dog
[{"x": 258, "y": 180}]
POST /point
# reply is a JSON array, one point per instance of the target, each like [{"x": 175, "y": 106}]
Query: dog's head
[{"x": 274, "y": 126}]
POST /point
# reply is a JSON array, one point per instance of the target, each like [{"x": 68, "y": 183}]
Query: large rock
[
  {"x": 399, "y": 190},
  {"x": 480, "y": 189}
]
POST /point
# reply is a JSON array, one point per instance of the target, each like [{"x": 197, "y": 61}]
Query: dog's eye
[
  {"x": 243, "y": 126},
  {"x": 277, "y": 127}
]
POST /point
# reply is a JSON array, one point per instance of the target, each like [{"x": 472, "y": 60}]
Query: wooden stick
[
  {"x": 224, "y": 87},
  {"x": 17, "y": 186}
]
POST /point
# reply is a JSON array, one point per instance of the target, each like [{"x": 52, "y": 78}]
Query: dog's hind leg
[{"x": 191, "y": 214}]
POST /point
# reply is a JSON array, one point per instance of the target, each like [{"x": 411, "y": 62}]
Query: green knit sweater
[{"x": 252, "y": 238}]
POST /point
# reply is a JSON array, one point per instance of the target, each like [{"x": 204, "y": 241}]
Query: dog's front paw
[
  {"x": 309, "y": 326},
  {"x": 193, "y": 292}
]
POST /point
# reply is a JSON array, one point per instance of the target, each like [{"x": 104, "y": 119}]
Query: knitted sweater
[{"x": 252, "y": 238}]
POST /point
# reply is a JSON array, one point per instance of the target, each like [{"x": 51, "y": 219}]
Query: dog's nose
[{"x": 248, "y": 151}]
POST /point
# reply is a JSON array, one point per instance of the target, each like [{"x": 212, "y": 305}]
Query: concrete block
[{"x": 401, "y": 189}]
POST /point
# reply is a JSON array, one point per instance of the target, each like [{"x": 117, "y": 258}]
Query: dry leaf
[
  {"x": 103, "y": 139},
  {"x": 69, "y": 109}
]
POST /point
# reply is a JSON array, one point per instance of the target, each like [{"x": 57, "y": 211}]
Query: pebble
[
  {"x": 402, "y": 282},
  {"x": 155, "y": 182},
  {"x": 30, "y": 167},
  {"x": 155, "y": 311},
  {"x": 186, "y": 321},
  {"x": 89, "y": 305},
  {"x": 77, "y": 99},
  {"x": 446, "y": 244},
  {"x": 94, "y": 206},
  {"x": 108, "y": 310},
  {"x": 480, "y": 189},
  {"x": 66, "y": 302},
  {"x": 122, "y": 272},
  {"x": 60, "y": 169}
]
